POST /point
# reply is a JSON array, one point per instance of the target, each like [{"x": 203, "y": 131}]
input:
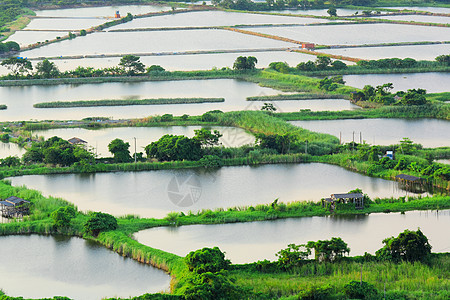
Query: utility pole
[
  {"x": 135, "y": 158},
  {"x": 360, "y": 137},
  {"x": 340, "y": 137},
  {"x": 353, "y": 142}
]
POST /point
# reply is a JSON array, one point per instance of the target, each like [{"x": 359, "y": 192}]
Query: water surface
[
  {"x": 155, "y": 193},
  {"x": 359, "y": 34},
  {"x": 428, "y": 132},
  {"x": 418, "y": 18},
  {"x": 440, "y": 10},
  {"x": 165, "y": 41},
  {"x": 102, "y": 11},
  {"x": 20, "y": 100},
  {"x": 418, "y": 52},
  {"x": 249, "y": 242},
  {"x": 431, "y": 82},
  {"x": 72, "y": 267},
  {"x": 213, "y": 18},
  {"x": 10, "y": 149}
]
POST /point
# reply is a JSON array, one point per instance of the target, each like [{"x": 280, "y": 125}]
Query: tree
[
  {"x": 407, "y": 146},
  {"x": 155, "y": 68},
  {"x": 10, "y": 161},
  {"x": 322, "y": 62},
  {"x": 62, "y": 216},
  {"x": 408, "y": 246},
  {"x": 131, "y": 64},
  {"x": 281, "y": 143},
  {"x": 47, "y": 69},
  {"x": 207, "y": 260},
  {"x": 17, "y": 65},
  {"x": 332, "y": 12},
  {"x": 443, "y": 59},
  {"x": 207, "y": 138},
  {"x": 174, "y": 147},
  {"x": 328, "y": 250},
  {"x": 292, "y": 256},
  {"x": 269, "y": 107},
  {"x": 98, "y": 222},
  {"x": 245, "y": 63},
  {"x": 414, "y": 97},
  {"x": 338, "y": 65},
  {"x": 120, "y": 151}
]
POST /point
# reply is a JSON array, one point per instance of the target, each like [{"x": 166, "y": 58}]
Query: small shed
[
  {"x": 411, "y": 183},
  {"x": 76, "y": 141},
  {"x": 356, "y": 198},
  {"x": 308, "y": 46},
  {"x": 14, "y": 207}
]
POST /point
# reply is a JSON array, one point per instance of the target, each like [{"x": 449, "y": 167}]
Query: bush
[
  {"x": 62, "y": 216},
  {"x": 99, "y": 222},
  {"x": 207, "y": 260},
  {"x": 166, "y": 118},
  {"x": 360, "y": 290}
]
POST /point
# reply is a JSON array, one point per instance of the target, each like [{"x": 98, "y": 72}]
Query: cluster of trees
[
  {"x": 9, "y": 47},
  {"x": 179, "y": 147},
  {"x": 388, "y": 63},
  {"x": 9, "y": 11},
  {"x": 444, "y": 59},
  {"x": 322, "y": 63},
  {"x": 57, "y": 151},
  {"x": 208, "y": 277},
  {"x": 129, "y": 65},
  {"x": 408, "y": 246},
  {"x": 245, "y": 63},
  {"x": 381, "y": 94},
  {"x": 331, "y": 84}
]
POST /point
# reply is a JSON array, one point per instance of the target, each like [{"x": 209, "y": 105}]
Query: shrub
[
  {"x": 360, "y": 290},
  {"x": 207, "y": 260},
  {"x": 99, "y": 222}
]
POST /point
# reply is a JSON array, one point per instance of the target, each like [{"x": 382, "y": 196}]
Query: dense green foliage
[
  {"x": 207, "y": 260},
  {"x": 408, "y": 246},
  {"x": 245, "y": 63},
  {"x": 120, "y": 150},
  {"x": 98, "y": 222},
  {"x": 57, "y": 151}
]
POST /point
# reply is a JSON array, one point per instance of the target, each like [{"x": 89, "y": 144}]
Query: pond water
[
  {"x": 428, "y": 132},
  {"x": 418, "y": 52},
  {"x": 185, "y": 62},
  {"x": 69, "y": 24},
  {"x": 100, "y": 138},
  {"x": 10, "y": 149},
  {"x": 20, "y": 100},
  {"x": 431, "y": 82},
  {"x": 359, "y": 34},
  {"x": 443, "y": 161},
  {"x": 317, "y": 12},
  {"x": 418, "y": 18},
  {"x": 249, "y": 242},
  {"x": 72, "y": 267},
  {"x": 213, "y": 18},
  {"x": 102, "y": 11},
  {"x": 156, "y": 193},
  {"x": 25, "y": 38},
  {"x": 439, "y": 10},
  {"x": 167, "y": 41}
]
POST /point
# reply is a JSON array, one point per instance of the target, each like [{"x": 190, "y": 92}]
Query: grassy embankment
[{"x": 123, "y": 102}]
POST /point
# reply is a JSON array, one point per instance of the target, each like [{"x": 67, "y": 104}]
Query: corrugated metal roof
[
  {"x": 348, "y": 195},
  {"x": 407, "y": 177}
]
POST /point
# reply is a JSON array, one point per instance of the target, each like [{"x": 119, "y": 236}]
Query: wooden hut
[
  {"x": 411, "y": 183},
  {"x": 14, "y": 207},
  {"x": 77, "y": 141},
  {"x": 355, "y": 198}
]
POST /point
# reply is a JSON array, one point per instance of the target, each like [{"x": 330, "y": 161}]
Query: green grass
[
  {"x": 261, "y": 122},
  {"x": 417, "y": 280},
  {"x": 303, "y": 96},
  {"x": 124, "y": 102}
]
